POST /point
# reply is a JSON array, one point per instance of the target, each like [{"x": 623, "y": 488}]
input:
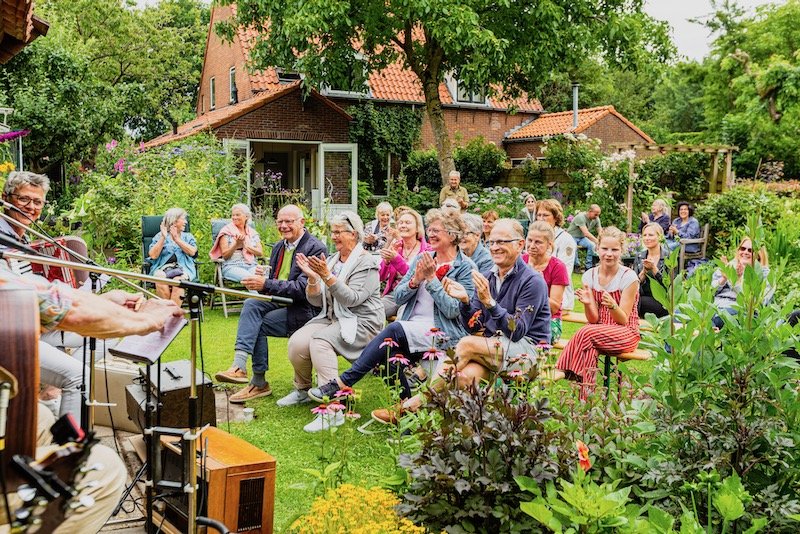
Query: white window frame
[
  {"x": 232, "y": 90},
  {"x": 212, "y": 94},
  {"x": 327, "y": 90}
]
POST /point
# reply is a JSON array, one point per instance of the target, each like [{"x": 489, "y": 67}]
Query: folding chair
[
  {"x": 219, "y": 280},
  {"x": 151, "y": 225},
  {"x": 702, "y": 241}
]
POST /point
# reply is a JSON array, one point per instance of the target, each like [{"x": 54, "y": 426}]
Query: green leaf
[
  {"x": 539, "y": 511},
  {"x": 729, "y": 506},
  {"x": 760, "y": 523},
  {"x": 660, "y": 519}
]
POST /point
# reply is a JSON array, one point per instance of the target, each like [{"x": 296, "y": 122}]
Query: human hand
[
  {"x": 164, "y": 230},
  {"x": 388, "y": 254},
  {"x": 302, "y": 261},
  {"x": 161, "y": 309},
  {"x": 649, "y": 265},
  {"x": 673, "y": 229},
  {"x": 173, "y": 231},
  {"x": 260, "y": 270},
  {"x": 370, "y": 239},
  {"x": 482, "y": 288},
  {"x": 130, "y": 300},
  {"x": 739, "y": 268},
  {"x": 645, "y": 217},
  {"x": 319, "y": 266},
  {"x": 391, "y": 233},
  {"x": 426, "y": 268},
  {"x": 584, "y": 295},
  {"x": 455, "y": 290},
  {"x": 607, "y": 300},
  {"x": 254, "y": 282}
]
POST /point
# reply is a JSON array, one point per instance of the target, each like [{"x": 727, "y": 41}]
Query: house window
[
  {"x": 469, "y": 97},
  {"x": 349, "y": 83},
  {"x": 212, "y": 93},
  {"x": 288, "y": 76},
  {"x": 232, "y": 85}
]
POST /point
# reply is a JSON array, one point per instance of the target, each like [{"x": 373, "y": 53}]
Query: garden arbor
[{"x": 717, "y": 181}]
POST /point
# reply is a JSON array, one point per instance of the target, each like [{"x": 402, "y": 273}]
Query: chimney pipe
[{"x": 575, "y": 86}]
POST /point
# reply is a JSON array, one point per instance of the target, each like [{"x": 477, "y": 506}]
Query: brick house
[
  {"x": 266, "y": 116},
  {"x": 18, "y": 27},
  {"x": 604, "y": 123}
]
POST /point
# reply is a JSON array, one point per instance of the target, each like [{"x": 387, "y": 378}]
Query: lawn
[{"x": 279, "y": 431}]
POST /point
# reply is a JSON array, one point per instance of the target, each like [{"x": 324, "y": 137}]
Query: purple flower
[
  {"x": 389, "y": 342},
  {"x": 119, "y": 166},
  {"x": 112, "y": 260},
  {"x": 399, "y": 358},
  {"x": 111, "y": 145},
  {"x": 10, "y": 136}
]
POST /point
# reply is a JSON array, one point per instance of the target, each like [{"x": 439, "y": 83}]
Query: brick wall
[
  {"x": 289, "y": 118},
  {"x": 522, "y": 150},
  {"x": 219, "y": 58},
  {"x": 337, "y": 172},
  {"x": 467, "y": 124}
]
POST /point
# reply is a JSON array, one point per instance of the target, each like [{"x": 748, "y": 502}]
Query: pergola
[{"x": 717, "y": 181}]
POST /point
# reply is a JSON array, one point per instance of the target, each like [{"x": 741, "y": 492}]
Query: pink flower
[
  {"x": 346, "y": 391},
  {"x": 544, "y": 346},
  {"x": 111, "y": 145},
  {"x": 352, "y": 415},
  {"x": 335, "y": 406},
  {"x": 141, "y": 146},
  {"x": 399, "y": 358},
  {"x": 389, "y": 342},
  {"x": 435, "y": 332},
  {"x": 322, "y": 409},
  {"x": 432, "y": 354},
  {"x": 119, "y": 166},
  {"x": 515, "y": 373}
]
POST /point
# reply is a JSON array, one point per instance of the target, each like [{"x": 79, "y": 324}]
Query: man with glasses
[
  {"x": 25, "y": 191},
  {"x": 260, "y": 319}
]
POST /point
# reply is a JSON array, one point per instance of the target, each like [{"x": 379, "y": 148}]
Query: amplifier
[
  {"x": 118, "y": 374},
  {"x": 238, "y": 486},
  {"x": 174, "y": 396}
]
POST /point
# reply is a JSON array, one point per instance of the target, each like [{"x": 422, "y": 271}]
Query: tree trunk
[{"x": 441, "y": 137}]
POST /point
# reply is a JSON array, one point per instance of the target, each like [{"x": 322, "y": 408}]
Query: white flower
[{"x": 588, "y": 194}]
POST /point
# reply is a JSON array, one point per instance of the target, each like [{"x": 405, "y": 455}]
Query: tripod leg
[{"x": 129, "y": 489}]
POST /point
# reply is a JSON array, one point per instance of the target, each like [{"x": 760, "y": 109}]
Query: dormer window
[
  {"x": 288, "y": 76},
  {"x": 232, "y": 85},
  {"x": 466, "y": 96},
  {"x": 350, "y": 84},
  {"x": 212, "y": 94}
]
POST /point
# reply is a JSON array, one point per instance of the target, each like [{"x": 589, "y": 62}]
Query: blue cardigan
[
  {"x": 446, "y": 316},
  {"x": 523, "y": 293}
]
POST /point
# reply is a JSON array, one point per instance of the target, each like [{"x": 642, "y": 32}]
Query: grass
[{"x": 279, "y": 431}]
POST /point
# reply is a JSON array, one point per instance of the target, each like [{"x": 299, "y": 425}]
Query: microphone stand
[{"x": 195, "y": 291}]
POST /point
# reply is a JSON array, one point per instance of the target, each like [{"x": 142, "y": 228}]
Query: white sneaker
[
  {"x": 324, "y": 422},
  {"x": 295, "y": 397}
]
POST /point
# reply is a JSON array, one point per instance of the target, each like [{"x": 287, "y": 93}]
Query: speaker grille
[{"x": 251, "y": 502}]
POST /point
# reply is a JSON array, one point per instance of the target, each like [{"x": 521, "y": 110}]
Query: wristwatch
[
  {"x": 330, "y": 275},
  {"x": 492, "y": 303}
]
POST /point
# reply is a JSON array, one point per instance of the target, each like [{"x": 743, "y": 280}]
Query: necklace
[{"x": 410, "y": 253}]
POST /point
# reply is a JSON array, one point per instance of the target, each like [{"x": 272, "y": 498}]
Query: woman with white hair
[
  {"x": 347, "y": 287},
  {"x": 660, "y": 215},
  {"x": 376, "y": 232},
  {"x": 238, "y": 244},
  {"x": 173, "y": 252}
]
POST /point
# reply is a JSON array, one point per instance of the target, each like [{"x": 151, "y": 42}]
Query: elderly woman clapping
[
  {"x": 238, "y": 244},
  {"x": 347, "y": 287},
  {"x": 173, "y": 252}
]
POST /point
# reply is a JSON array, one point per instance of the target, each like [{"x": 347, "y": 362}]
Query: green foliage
[
  {"x": 194, "y": 174},
  {"x": 462, "y": 476},
  {"x": 506, "y": 201},
  {"x": 380, "y": 132},
  {"x": 420, "y": 198},
  {"x": 682, "y": 173},
  {"x": 422, "y": 170},
  {"x": 729, "y": 210},
  {"x": 480, "y": 162}
]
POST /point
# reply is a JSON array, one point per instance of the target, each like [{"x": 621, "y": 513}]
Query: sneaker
[
  {"x": 389, "y": 416},
  {"x": 415, "y": 376},
  {"x": 234, "y": 375},
  {"x": 297, "y": 396},
  {"x": 325, "y": 391},
  {"x": 249, "y": 393},
  {"x": 324, "y": 421}
]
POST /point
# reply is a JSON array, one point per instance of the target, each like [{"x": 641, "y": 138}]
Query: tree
[{"x": 500, "y": 47}]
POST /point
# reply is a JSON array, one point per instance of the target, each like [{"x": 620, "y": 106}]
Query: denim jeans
[
  {"x": 374, "y": 355},
  {"x": 589, "y": 246},
  {"x": 258, "y": 320}
]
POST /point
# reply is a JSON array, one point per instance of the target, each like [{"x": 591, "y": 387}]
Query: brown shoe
[
  {"x": 234, "y": 375},
  {"x": 389, "y": 416},
  {"x": 249, "y": 393}
]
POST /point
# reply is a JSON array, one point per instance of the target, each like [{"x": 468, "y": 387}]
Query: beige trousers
[
  {"x": 106, "y": 484},
  {"x": 307, "y": 353}
]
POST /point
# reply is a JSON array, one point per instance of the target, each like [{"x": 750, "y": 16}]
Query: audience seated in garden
[
  {"x": 260, "y": 319},
  {"x": 408, "y": 240},
  {"x": 649, "y": 263},
  {"x": 347, "y": 287},
  {"x": 583, "y": 228},
  {"x": 424, "y": 305},
  {"x": 610, "y": 295},
  {"x": 566, "y": 249},
  {"x": 539, "y": 245},
  {"x": 727, "y": 290},
  {"x": 685, "y": 226},
  {"x": 173, "y": 252},
  {"x": 376, "y": 232},
  {"x": 238, "y": 244},
  {"x": 659, "y": 213},
  {"x": 472, "y": 245},
  {"x": 508, "y": 315},
  {"x": 454, "y": 190}
]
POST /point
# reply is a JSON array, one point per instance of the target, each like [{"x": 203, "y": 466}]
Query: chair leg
[{"x": 607, "y": 372}]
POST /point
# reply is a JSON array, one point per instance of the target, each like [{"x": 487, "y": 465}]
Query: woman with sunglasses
[{"x": 727, "y": 290}]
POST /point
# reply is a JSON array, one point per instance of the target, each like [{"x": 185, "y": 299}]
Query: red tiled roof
[
  {"x": 219, "y": 117},
  {"x": 394, "y": 83},
  {"x": 18, "y": 27},
  {"x": 561, "y": 123}
]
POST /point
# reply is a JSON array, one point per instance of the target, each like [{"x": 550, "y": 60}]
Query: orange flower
[
  {"x": 583, "y": 455},
  {"x": 475, "y": 319}
]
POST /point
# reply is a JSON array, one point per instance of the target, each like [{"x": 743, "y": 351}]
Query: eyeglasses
[
  {"x": 346, "y": 218},
  {"x": 499, "y": 242},
  {"x": 24, "y": 201},
  {"x": 435, "y": 231},
  {"x": 280, "y": 222},
  {"x": 745, "y": 249},
  {"x": 337, "y": 233}
]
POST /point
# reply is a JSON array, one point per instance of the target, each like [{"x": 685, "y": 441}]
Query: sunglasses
[{"x": 746, "y": 249}]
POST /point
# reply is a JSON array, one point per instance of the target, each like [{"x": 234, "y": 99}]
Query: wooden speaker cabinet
[{"x": 239, "y": 485}]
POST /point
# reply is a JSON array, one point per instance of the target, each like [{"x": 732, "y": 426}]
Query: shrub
[
  {"x": 680, "y": 172},
  {"x": 506, "y": 201},
  {"x": 462, "y": 477},
  {"x": 728, "y": 211},
  {"x": 422, "y": 170},
  {"x": 420, "y": 198},
  {"x": 354, "y": 510},
  {"x": 480, "y": 162},
  {"x": 194, "y": 174}
]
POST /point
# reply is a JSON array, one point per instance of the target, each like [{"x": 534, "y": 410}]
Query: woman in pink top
[
  {"x": 407, "y": 241},
  {"x": 539, "y": 245}
]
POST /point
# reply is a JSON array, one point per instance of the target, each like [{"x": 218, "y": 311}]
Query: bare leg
[
  {"x": 487, "y": 352},
  {"x": 176, "y": 295},
  {"x": 163, "y": 291}
]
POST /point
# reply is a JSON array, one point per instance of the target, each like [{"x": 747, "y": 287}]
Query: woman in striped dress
[{"x": 610, "y": 297}]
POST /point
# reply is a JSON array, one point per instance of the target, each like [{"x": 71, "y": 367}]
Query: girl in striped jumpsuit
[{"x": 610, "y": 297}]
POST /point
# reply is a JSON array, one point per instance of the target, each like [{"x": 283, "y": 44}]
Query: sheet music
[{"x": 150, "y": 347}]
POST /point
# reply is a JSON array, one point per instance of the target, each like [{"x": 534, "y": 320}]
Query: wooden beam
[
  {"x": 713, "y": 188},
  {"x": 729, "y": 169}
]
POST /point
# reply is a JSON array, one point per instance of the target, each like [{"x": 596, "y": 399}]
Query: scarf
[
  {"x": 348, "y": 320},
  {"x": 231, "y": 229}
]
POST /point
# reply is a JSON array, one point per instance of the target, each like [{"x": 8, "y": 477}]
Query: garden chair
[
  {"x": 151, "y": 225},
  {"x": 702, "y": 241},
  {"x": 219, "y": 280}
]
